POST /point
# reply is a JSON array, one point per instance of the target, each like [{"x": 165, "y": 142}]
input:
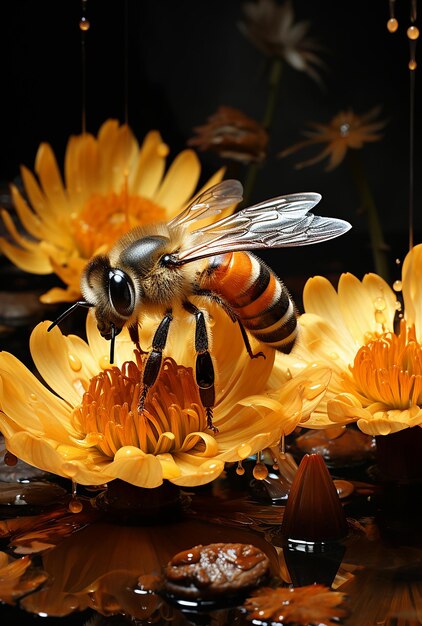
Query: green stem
[
  {"x": 267, "y": 120},
  {"x": 378, "y": 245}
]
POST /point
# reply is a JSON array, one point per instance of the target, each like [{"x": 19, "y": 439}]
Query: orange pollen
[
  {"x": 108, "y": 417},
  {"x": 388, "y": 370},
  {"x": 105, "y": 218}
]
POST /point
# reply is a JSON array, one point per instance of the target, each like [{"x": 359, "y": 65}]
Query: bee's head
[{"x": 112, "y": 292}]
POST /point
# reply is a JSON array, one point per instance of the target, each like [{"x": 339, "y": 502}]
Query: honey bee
[{"x": 159, "y": 269}]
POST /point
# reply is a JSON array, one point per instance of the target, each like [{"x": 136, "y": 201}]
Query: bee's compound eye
[{"x": 121, "y": 292}]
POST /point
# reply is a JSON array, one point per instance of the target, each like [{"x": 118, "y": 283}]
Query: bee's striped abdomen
[{"x": 256, "y": 295}]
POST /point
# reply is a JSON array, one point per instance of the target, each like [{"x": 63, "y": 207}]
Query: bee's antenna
[
  {"x": 68, "y": 312},
  {"x": 113, "y": 339}
]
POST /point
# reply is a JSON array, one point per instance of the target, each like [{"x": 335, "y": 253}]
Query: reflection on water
[{"x": 82, "y": 569}]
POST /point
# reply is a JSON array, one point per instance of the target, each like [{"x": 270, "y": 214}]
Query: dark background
[{"x": 188, "y": 57}]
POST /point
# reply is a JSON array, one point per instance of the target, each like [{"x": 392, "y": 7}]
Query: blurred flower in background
[
  {"x": 271, "y": 28},
  {"x": 111, "y": 184},
  {"x": 346, "y": 131},
  {"x": 232, "y": 135}
]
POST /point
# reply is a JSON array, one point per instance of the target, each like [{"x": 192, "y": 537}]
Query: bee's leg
[
  {"x": 204, "y": 371},
  {"x": 134, "y": 335},
  {"x": 153, "y": 363},
  {"x": 233, "y": 316}
]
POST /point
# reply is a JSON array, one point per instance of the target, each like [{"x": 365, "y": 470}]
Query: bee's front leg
[
  {"x": 134, "y": 335},
  {"x": 153, "y": 363},
  {"x": 204, "y": 371}
]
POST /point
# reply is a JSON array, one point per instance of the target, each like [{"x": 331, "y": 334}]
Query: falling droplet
[
  {"x": 412, "y": 64},
  {"x": 260, "y": 471},
  {"x": 397, "y": 285},
  {"x": 380, "y": 304},
  {"x": 392, "y": 25},
  {"x": 84, "y": 24},
  {"x": 413, "y": 32},
  {"x": 10, "y": 459},
  {"x": 397, "y": 305},
  {"x": 240, "y": 470},
  {"x": 398, "y": 261},
  {"x": 275, "y": 466},
  {"x": 283, "y": 445},
  {"x": 75, "y": 505},
  {"x": 75, "y": 362}
]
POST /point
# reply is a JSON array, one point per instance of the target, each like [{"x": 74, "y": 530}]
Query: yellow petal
[
  {"x": 49, "y": 174},
  {"x": 149, "y": 166},
  {"x": 357, "y": 308},
  {"x": 136, "y": 467},
  {"x": 381, "y": 295},
  {"x": 194, "y": 471},
  {"x": 30, "y": 221},
  {"x": 411, "y": 285},
  {"x": 179, "y": 183}
]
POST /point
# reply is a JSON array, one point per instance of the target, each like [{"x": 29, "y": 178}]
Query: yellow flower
[
  {"x": 110, "y": 185},
  {"x": 271, "y": 28},
  {"x": 376, "y": 374},
  {"x": 92, "y": 432},
  {"x": 17, "y": 578},
  {"x": 345, "y": 131}
]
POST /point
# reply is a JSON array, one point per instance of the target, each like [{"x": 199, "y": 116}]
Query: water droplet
[
  {"x": 333, "y": 356},
  {"x": 260, "y": 471},
  {"x": 104, "y": 362},
  {"x": 275, "y": 466},
  {"x": 344, "y": 129},
  {"x": 33, "y": 397},
  {"x": 412, "y": 64},
  {"x": 380, "y": 304},
  {"x": 244, "y": 450},
  {"x": 75, "y": 505},
  {"x": 162, "y": 150},
  {"x": 84, "y": 24},
  {"x": 392, "y": 25},
  {"x": 240, "y": 470},
  {"x": 397, "y": 285},
  {"x": 283, "y": 445},
  {"x": 397, "y": 305},
  {"x": 380, "y": 317},
  {"x": 74, "y": 362},
  {"x": 312, "y": 391},
  {"x": 10, "y": 459},
  {"x": 398, "y": 261},
  {"x": 413, "y": 32}
]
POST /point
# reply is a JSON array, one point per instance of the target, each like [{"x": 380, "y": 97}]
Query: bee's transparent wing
[
  {"x": 210, "y": 202},
  {"x": 280, "y": 222}
]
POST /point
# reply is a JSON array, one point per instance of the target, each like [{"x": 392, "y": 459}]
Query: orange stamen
[
  {"x": 109, "y": 417},
  {"x": 388, "y": 370}
]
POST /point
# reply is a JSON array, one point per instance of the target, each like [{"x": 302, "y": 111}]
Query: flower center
[
  {"x": 388, "y": 370},
  {"x": 105, "y": 218},
  {"x": 109, "y": 418}
]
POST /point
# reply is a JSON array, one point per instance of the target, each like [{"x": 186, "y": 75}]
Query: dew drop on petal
[
  {"x": 244, "y": 450},
  {"x": 75, "y": 362},
  {"x": 397, "y": 285},
  {"x": 260, "y": 471},
  {"x": 380, "y": 317},
  {"x": 240, "y": 470},
  {"x": 333, "y": 356},
  {"x": 104, "y": 362},
  {"x": 379, "y": 304},
  {"x": 312, "y": 391},
  {"x": 10, "y": 459},
  {"x": 33, "y": 397}
]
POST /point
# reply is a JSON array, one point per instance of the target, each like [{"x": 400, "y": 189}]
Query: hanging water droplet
[
  {"x": 397, "y": 305},
  {"x": 104, "y": 362},
  {"x": 412, "y": 64},
  {"x": 413, "y": 32},
  {"x": 75, "y": 505},
  {"x": 397, "y": 285},
  {"x": 283, "y": 445},
  {"x": 392, "y": 25},
  {"x": 380, "y": 304},
  {"x": 75, "y": 362},
  {"x": 275, "y": 466},
  {"x": 260, "y": 471},
  {"x": 240, "y": 470},
  {"x": 398, "y": 261},
  {"x": 10, "y": 459},
  {"x": 84, "y": 24}
]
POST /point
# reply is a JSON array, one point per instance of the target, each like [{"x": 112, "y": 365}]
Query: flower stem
[
  {"x": 378, "y": 245},
  {"x": 267, "y": 120}
]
